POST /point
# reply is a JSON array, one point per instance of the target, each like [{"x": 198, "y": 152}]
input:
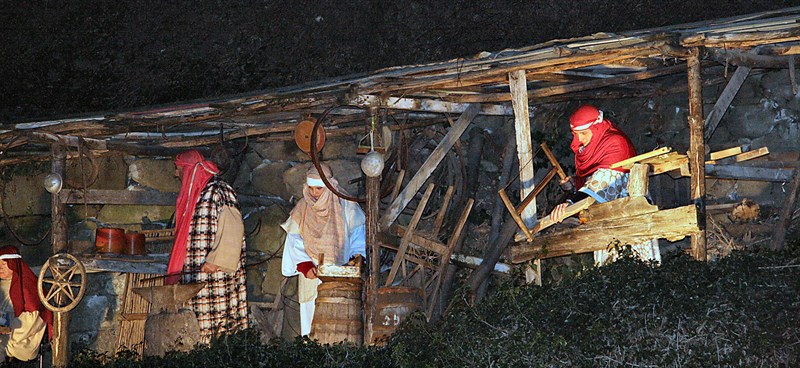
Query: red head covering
[
  {"x": 608, "y": 145},
  {"x": 196, "y": 172},
  {"x": 24, "y": 295}
]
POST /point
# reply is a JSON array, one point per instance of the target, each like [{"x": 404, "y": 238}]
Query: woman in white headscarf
[{"x": 320, "y": 223}]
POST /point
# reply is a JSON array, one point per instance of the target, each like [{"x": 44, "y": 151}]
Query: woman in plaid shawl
[{"x": 209, "y": 246}]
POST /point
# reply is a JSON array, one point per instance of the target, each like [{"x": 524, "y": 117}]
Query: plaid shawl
[{"x": 222, "y": 305}]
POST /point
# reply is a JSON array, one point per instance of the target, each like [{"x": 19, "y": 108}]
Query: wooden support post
[
  {"x": 60, "y": 340},
  {"x": 697, "y": 152},
  {"x": 373, "y": 193},
  {"x": 779, "y": 234},
  {"x": 429, "y": 166},
  {"x": 373, "y": 200},
  {"x": 522, "y": 124},
  {"x": 518, "y": 84},
  {"x": 637, "y": 180}
]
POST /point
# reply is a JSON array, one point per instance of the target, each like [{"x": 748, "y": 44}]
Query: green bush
[{"x": 740, "y": 311}]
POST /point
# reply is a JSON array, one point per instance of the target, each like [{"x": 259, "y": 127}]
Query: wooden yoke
[{"x": 517, "y": 211}]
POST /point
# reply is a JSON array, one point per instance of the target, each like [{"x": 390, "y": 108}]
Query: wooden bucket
[
  {"x": 109, "y": 240},
  {"x": 337, "y": 315},
  {"x": 393, "y": 305}
]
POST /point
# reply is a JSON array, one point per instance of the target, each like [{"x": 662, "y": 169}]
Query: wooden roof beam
[
  {"x": 576, "y": 87},
  {"x": 427, "y": 105},
  {"x": 499, "y": 71},
  {"x": 749, "y": 59},
  {"x": 741, "y": 39}
]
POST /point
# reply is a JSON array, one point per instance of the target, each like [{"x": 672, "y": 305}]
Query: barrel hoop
[{"x": 337, "y": 300}]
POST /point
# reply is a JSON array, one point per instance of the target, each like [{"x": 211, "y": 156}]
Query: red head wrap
[
  {"x": 24, "y": 295},
  {"x": 196, "y": 172},
  {"x": 608, "y": 145}
]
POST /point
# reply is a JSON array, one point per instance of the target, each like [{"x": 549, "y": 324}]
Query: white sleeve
[
  {"x": 294, "y": 253},
  {"x": 26, "y": 336},
  {"x": 357, "y": 243}
]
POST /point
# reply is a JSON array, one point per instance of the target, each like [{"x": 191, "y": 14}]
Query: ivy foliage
[{"x": 740, "y": 311}]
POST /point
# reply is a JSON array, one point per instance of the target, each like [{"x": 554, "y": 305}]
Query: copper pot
[
  {"x": 109, "y": 240},
  {"x": 134, "y": 244}
]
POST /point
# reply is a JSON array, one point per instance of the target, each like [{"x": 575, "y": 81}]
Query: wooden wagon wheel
[{"x": 66, "y": 278}]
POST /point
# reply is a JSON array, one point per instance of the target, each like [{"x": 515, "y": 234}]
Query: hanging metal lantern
[{"x": 53, "y": 183}]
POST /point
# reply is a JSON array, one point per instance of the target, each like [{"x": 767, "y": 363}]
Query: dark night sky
[{"x": 62, "y": 58}]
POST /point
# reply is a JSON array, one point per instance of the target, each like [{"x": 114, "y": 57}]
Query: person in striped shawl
[{"x": 209, "y": 246}]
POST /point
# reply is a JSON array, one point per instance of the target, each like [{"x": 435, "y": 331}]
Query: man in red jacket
[{"x": 598, "y": 144}]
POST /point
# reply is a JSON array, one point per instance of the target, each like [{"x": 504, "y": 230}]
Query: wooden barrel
[
  {"x": 393, "y": 305},
  {"x": 337, "y": 315}
]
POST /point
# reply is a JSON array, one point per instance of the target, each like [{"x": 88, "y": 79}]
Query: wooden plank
[
  {"x": 412, "y": 226},
  {"x": 522, "y": 128},
  {"x": 697, "y": 152},
  {"x": 619, "y": 208},
  {"x": 429, "y": 166},
  {"x": 110, "y": 265},
  {"x": 419, "y": 240},
  {"x": 408, "y": 257},
  {"x": 749, "y": 173},
  {"x": 473, "y": 262},
  {"x": 109, "y": 196},
  {"x": 792, "y": 74},
  {"x": 724, "y": 100},
  {"x": 733, "y": 151},
  {"x": 672, "y": 224},
  {"x": 398, "y": 184},
  {"x": 455, "y": 237},
  {"x": 676, "y": 163},
  {"x": 637, "y": 180},
  {"x": 439, "y": 220},
  {"x": 627, "y": 163},
  {"x": 749, "y": 155}
]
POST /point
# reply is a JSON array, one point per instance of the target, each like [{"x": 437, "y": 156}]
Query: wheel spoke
[
  {"x": 51, "y": 292},
  {"x": 48, "y": 281},
  {"x": 68, "y": 294},
  {"x": 67, "y": 274},
  {"x": 57, "y": 275}
]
